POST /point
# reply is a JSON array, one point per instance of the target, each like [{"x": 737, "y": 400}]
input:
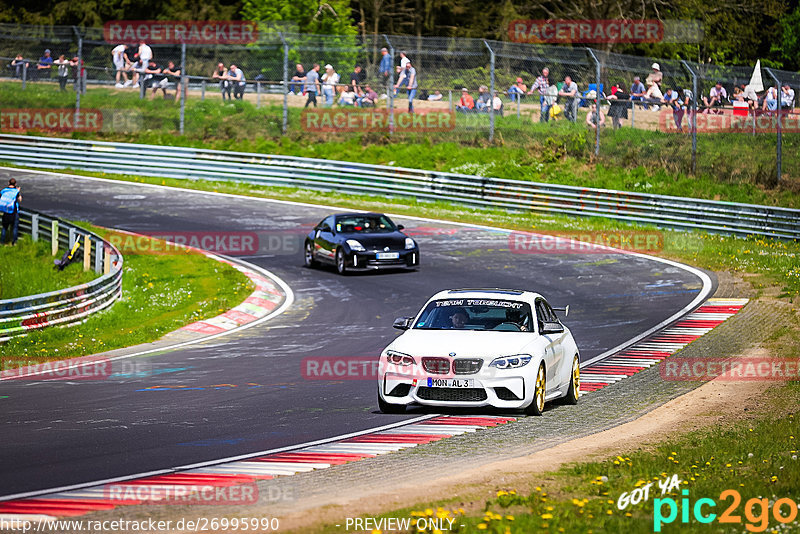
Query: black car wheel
[
  {"x": 341, "y": 262},
  {"x": 308, "y": 256},
  {"x": 386, "y": 407}
]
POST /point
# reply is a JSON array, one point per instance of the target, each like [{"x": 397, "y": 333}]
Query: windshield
[
  {"x": 364, "y": 224},
  {"x": 476, "y": 314}
]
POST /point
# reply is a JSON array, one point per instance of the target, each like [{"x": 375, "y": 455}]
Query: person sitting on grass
[
  {"x": 595, "y": 117},
  {"x": 717, "y": 96},
  {"x": 465, "y": 104},
  {"x": 347, "y": 97},
  {"x": 368, "y": 97}
]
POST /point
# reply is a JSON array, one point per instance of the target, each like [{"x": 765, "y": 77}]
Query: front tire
[
  {"x": 574, "y": 390},
  {"x": 540, "y": 386},
  {"x": 341, "y": 261},
  {"x": 308, "y": 256},
  {"x": 386, "y": 407}
]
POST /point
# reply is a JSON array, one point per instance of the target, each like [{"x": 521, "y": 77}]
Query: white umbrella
[{"x": 755, "y": 79}]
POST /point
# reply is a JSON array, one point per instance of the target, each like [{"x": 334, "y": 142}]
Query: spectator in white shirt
[{"x": 118, "y": 58}]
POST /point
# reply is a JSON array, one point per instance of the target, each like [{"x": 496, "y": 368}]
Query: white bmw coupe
[{"x": 480, "y": 347}]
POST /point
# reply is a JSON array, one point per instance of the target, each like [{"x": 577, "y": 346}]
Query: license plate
[
  {"x": 387, "y": 255},
  {"x": 451, "y": 382}
]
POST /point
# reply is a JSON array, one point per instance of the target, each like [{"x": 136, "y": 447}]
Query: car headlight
[
  {"x": 410, "y": 243},
  {"x": 511, "y": 362},
  {"x": 398, "y": 358},
  {"x": 355, "y": 245}
]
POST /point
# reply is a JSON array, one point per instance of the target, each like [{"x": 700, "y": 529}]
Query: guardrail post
[
  {"x": 54, "y": 237},
  {"x": 390, "y": 88},
  {"x": 98, "y": 257},
  {"x": 35, "y": 227},
  {"x": 181, "y": 90},
  {"x": 597, "y": 100},
  {"x": 106, "y": 261},
  {"x": 491, "y": 92},
  {"x": 72, "y": 237},
  {"x": 87, "y": 253},
  {"x": 779, "y": 147},
  {"x": 285, "y": 125},
  {"x": 693, "y": 119}
]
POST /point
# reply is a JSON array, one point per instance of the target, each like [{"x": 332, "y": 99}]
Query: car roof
[
  {"x": 488, "y": 292},
  {"x": 359, "y": 214}
]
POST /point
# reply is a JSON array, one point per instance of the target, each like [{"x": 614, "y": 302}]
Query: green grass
[
  {"x": 160, "y": 293},
  {"x": 733, "y": 167},
  {"x": 28, "y": 269}
]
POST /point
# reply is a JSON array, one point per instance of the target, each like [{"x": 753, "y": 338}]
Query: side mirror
[
  {"x": 552, "y": 328},
  {"x": 402, "y": 323},
  {"x": 401, "y": 227}
]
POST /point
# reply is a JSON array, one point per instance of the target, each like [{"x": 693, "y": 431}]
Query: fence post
[
  {"x": 693, "y": 119},
  {"x": 54, "y": 238},
  {"x": 98, "y": 257},
  {"x": 450, "y": 99},
  {"x": 203, "y": 90},
  {"x": 182, "y": 87},
  {"x": 390, "y": 89},
  {"x": 78, "y": 76},
  {"x": 519, "y": 101},
  {"x": 72, "y": 237},
  {"x": 285, "y": 125},
  {"x": 491, "y": 92},
  {"x": 597, "y": 100},
  {"x": 106, "y": 261},
  {"x": 258, "y": 95},
  {"x": 24, "y": 74},
  {"x": 779, "y": 147},
  {"x": 35, "y": 227},
  {"x": 87, "y": 252}
]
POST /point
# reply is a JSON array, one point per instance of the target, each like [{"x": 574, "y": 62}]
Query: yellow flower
[
  {"x": 547, "y": 516},
  {"x": 510, "y": 517},
  {"x": 481, "y": 526},
  {"x": 428, "y": 511}
]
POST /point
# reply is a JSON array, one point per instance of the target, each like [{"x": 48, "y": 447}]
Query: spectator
[
  {"x": 118, "y": 58},
  {"x": 137, "y": 68},
  {"x": 19, "y": 64},
  {"x": 518, "y": 90},
  {"x": 152, "y": 76},
  {"x": 224, "y": 84},
  {"x": 770, "y": 100},
  {"x": 312, "y": 85},
  {"x": 348, "y": 97},
  {"x": 296, "y": 85},
  {"x": 63, "y": 71},
  {"x": 595, "y": 117},
  {"x": 78, "y": 71},
  {"x": 435, "y": 97},
  {"x": 172, "y": 74},
  {"x": 542, "y": 84},
  {"x": 44, "y": 66},
  {"x": 656, "y": 76},
  {"x": 637, "y": 89},
  {"x": 750, "y": 95},
  {"x": 145, "y": 52},
  {"x": 618, "y": 106},
  {"x": 10, "y": 197},
  {"x": 570, "y": 91},
  {"x": 717, "y": 96},
  {"x": 787, "y": 97},
  {"x": 329, "y": 81},
  {"x": 672, "y": 100},
  {"x": 385, "y": 68},
  {"x": 466, "y": 104},
  {"x": 408, "y": 77},
  {"x": 484, "y": 99},
  {"x": 368, "y": 98},
  {"x": 238, "y": 82},
  {"x": 404, "y": 60},
  {"x": 654, "y": 94},
  {"x": 686, "y": 102},
  {"x": 497, "y": 104},
  {"x": 357, "y": 78}
]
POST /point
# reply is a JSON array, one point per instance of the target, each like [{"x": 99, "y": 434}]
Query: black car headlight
[
  {"x": 410, "y": 243},
  {"x": 355, "y": 245}
]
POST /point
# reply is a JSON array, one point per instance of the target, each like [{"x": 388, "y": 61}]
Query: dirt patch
[{"x": 713, "y": 403}]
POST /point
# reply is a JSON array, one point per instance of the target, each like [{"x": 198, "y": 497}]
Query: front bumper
[
  {"x": 509, "y": 389},
  {"x": 368, "y": 260}
]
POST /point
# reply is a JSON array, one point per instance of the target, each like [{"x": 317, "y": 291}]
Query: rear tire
[
  {"x": 540, "y": 386},
  {"x": 574, "y": 390},
  {"x": 341, "y": 262},
  {"x": 386, "y": 407}
]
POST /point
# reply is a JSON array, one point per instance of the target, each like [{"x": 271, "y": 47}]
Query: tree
[{"x": 332, "y": 17}]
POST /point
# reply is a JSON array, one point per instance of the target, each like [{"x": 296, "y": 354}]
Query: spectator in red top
[{"x": 466, "y": 104}]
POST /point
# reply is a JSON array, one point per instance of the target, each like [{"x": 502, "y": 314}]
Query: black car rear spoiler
[{"x": 565, "y": 310}]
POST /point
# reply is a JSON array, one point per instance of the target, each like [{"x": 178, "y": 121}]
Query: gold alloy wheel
[
  {"x": 576, "y": 377},
  {"x": 540, "y": 385}
]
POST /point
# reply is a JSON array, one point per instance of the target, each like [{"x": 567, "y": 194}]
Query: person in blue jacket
[{"x": 10, "y": 197}]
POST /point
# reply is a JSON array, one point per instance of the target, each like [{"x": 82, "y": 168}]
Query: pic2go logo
[{"x": 756, "y": 511}]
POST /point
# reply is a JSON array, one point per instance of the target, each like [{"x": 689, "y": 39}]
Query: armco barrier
[
  {"x": 188, "y": 163},
  {"x": 21, "y": 315}
]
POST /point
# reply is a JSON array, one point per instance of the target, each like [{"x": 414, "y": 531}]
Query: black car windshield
[
  {"x": 364, "y": 224},
  {"x": 476, "y": 314}
]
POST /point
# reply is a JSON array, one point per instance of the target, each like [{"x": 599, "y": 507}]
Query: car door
[
  {"x": 325, "y": 240},
  {"x": 560, "y": 358},
  {"x": 550, "y": 359}
]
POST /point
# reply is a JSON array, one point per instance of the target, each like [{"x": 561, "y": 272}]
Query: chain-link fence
[{"x": 630, "y": 111}]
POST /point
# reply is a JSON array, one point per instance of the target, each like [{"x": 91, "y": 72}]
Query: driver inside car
[
  {"x": 518, "y": 318},
  {"x": 458, "y": 319}
]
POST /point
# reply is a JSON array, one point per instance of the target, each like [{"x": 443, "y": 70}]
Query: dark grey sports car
[{"x": 360, "y": 241}]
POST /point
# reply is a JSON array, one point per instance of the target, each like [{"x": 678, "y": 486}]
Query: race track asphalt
[{"x": 245, "y": 392}]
